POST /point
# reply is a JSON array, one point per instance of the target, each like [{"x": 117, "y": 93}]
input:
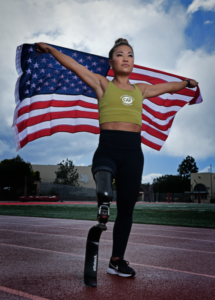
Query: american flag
[{"x": 50, "y": 98}]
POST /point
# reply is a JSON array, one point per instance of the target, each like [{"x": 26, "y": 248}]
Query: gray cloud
[
  {"x": 193, "y": 128},
  {"x": 149, "y": 178}
]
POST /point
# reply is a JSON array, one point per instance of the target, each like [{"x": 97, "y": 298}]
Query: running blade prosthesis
[{"x": 92, "y": 247}]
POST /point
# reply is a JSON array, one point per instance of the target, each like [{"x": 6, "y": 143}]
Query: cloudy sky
[{"x": 175, "y": 36}]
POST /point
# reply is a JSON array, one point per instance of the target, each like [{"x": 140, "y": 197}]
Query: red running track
[{"x": 43, "y": 258}]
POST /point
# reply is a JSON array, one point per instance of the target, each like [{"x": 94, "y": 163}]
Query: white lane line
[
  {"x": 20, "y": 293},
  {"x": 78, "y": 237},
  {"x": 82, "y": 256},
  {"x": 141, "y": 234},
  {"x": 111, "y": 224}
]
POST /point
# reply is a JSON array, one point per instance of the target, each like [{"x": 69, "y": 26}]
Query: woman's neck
[{"x": 122, "y": 82}]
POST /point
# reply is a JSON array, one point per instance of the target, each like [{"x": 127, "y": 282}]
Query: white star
[
  {"x": 36, "y": 65},
  {"x": 35, "y": 76},
  {"x": 62, "y": 76},
  {"x": 27, "y": 91},
  {"x": 102, "y": 60},
  {"x": 63, "y": 68},
  {"x": 69, "y": 73},
  {"x": 94, "y": 63},
  {"x": 72, "y": 84},
  {"x": 29, "y": 61},
  {"x": 33, "y": 85},
  {"x": 77, "y": 89},
  {"x": 89, "y": 57},
  {"x": 28, "y": 71},
  {"x": 46, "y": 83},
  {"x": 28, "y": 82},
  {"x": 81, "y": 60},
  {"x": 64, "y": 88},
  {"x": 87, "y": 66},
  {"x": 75, "y": 54},
  {"x": 67, "y": 80},
  {"x": 51, "y": 88},
  {"x": 59, "y": 84},
  {"x": 50, "y": 55},
  {"x": 54, "y": 80},
  {"x": 99, "y": 69},
  {"x": 57, "y": 63},
  {"x": 43, "y": 60},
  {"x": 75, "y": 77},
  {"x": 48, "y": 75},
  {"x": 80, "y": 82},
  {"x": 30, "y": 50},
  {"x": 40, "y": 80},
  {"x": 50, "y": 65},
  {"x": 89, "y": 91},
  {"x": 38, "y": 89},
  {"x": 61, "y": 51},
  {"x": 42, "y": 71},
  {"x": 56, "y": 71},
  {"x": 85, "y": 87}
]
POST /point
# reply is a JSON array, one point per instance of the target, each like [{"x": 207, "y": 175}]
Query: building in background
[
  {"x": 47, "y": 174},
  {"x": 203, "y": 184},
  {"x": 86, "y": 190}
]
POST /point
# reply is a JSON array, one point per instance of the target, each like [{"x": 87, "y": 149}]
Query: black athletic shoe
[{"x": 120, "y": 267}]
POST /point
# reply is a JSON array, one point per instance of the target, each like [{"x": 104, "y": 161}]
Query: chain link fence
[
  {"x": 68, "y": 192},
  {"x": 174, "y": 197}
]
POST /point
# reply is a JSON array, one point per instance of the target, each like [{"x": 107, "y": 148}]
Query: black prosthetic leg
[{"x": 105, "y": 195}]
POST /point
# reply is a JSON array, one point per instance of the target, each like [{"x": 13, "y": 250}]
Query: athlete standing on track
[{"x": 120, "y": 118}]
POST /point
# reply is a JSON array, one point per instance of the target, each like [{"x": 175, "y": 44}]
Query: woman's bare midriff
[{"x": 121, "y": 126}]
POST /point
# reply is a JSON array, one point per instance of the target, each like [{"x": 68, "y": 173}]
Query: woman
[{"x": 120, "y": 119}]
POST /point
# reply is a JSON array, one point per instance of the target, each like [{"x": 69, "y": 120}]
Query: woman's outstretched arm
[
  {"x": 97, "y": 82},
  {"x": 150, "y": 91}
]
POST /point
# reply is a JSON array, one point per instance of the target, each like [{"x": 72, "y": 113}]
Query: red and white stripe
[{"x": 44, "y": 115}]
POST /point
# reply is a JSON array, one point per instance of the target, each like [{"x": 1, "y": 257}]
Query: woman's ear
[{"x": 110, "y": 63}]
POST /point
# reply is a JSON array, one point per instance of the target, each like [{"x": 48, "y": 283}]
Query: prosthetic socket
[{"x": 104, "y": 194}]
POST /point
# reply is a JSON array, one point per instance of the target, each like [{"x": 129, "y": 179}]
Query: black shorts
[{"x": 117, "y": 148}]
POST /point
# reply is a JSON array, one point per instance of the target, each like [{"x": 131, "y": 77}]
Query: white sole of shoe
[{"x": 115, "y": 272}]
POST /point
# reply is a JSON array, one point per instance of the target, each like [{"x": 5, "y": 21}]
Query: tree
[
  {"x": 171, "y": 184},
  {"x": 67, "y": 174},
  {"x": 15, "y": 173},
  {"x": 187, "y": 166}
]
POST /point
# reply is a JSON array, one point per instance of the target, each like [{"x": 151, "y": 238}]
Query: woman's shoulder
[{"x": 141, "y": 87}]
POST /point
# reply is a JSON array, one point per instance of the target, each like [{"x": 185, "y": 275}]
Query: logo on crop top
[{"x": 127, "y": 100}]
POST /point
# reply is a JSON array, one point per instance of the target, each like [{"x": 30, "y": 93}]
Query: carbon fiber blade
[{"x": 91, "y": 257}]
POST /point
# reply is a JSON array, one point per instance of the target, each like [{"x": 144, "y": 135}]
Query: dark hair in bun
[{"x": 119, "y": 42}]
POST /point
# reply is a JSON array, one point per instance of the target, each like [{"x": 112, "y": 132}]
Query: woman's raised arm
[
  {"x": 95, "y": 81},
  {"x": 150, "y": 91}
]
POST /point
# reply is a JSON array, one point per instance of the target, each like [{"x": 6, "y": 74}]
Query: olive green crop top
[{"x": 118, "y": 105}]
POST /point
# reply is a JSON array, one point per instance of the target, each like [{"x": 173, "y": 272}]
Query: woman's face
[{"x": 122, "y": 61}]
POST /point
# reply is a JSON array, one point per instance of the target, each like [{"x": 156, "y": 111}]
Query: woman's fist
[
  {"x": 193, "y": 83},
  {"x": 42, "y": 47}
]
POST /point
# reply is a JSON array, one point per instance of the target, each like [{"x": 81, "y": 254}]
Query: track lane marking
[
  {"x": 142, "y": 265},
  {"x": 102, "y": 239},
  {"x": 133, "y": 227},
  {"x": 20, "y": 293},
  {"x": 141, "y": 234}
]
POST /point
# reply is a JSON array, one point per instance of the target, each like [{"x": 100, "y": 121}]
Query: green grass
[{"x": 191, "y": 215}]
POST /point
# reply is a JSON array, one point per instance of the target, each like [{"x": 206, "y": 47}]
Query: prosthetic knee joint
[{"x": 104, "y": 194}]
